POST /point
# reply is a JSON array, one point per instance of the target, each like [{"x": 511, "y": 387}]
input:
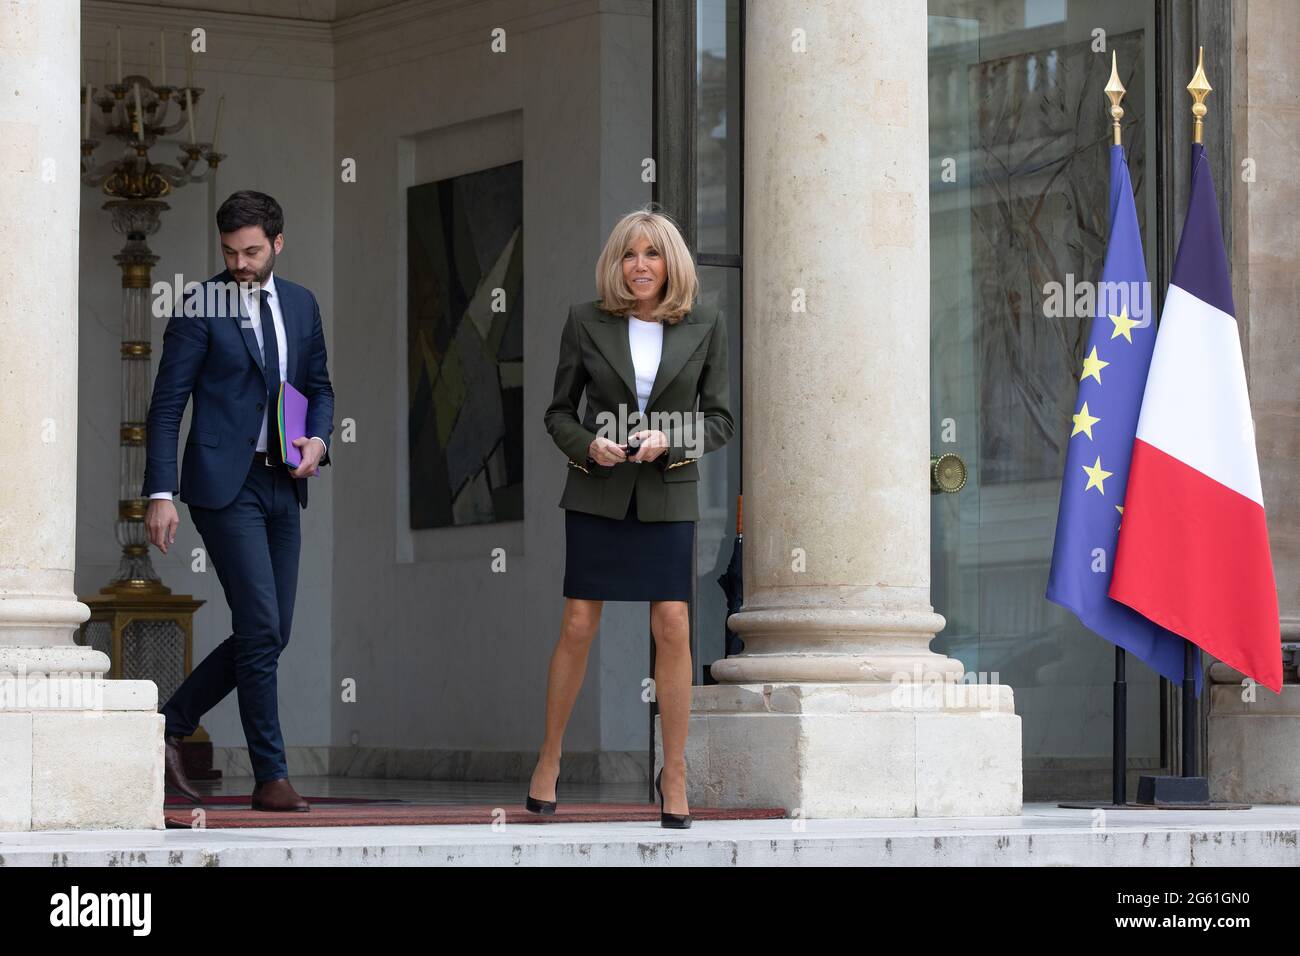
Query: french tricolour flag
[{"x": 1193, "y": 551}]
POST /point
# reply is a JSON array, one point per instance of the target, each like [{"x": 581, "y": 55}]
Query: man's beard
[{"x": 259, "y": 277}]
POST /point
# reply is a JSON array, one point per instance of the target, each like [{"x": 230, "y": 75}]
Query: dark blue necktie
[{"x": 271, "y": 362}]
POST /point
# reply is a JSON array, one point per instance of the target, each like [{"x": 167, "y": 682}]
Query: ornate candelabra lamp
[{"x": 146, "y": 630}]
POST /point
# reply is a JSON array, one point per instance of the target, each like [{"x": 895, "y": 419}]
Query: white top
[{"x": 647, "y": 342}]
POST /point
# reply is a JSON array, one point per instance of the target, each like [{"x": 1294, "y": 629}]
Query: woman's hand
[
  {"x": 653, "y": 444},
  {"x": 605, "y": 452}
]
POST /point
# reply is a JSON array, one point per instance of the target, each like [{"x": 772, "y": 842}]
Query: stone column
[
  {"x": 76, "y": 750},
  {"x": 838, "y": 707},
  {"x": 1252, "y": 731}
]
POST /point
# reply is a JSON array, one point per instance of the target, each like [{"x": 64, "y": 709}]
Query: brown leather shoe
[
  {"x": 278, "y": 795},
  {"x": 174, "y": 771}
]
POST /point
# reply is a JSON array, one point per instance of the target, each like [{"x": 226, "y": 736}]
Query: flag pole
[
  {"x": 1187, "y": 789},
  {"x": 1119, "y": 721},
  {"x": 1199, "y": 88},
  {"x": 1115, "y": 92}
]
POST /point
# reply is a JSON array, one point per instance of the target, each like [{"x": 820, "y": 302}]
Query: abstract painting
[{"x": 465, "y": 360}]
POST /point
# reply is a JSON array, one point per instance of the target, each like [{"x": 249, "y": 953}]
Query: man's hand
[
  {"x": 653, "y": 444},
  {"x": 312, "y": 452},
  {"x": 605, "y": 452},
  {"x": 161, "y": 522}
]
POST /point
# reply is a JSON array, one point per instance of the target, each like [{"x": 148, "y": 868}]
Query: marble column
[
  {"x": 837, "y": 707},
  {"x": 77, "y": 751}
]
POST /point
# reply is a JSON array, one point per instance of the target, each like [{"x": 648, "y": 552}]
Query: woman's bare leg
[
  {"x": 671, "y": 626},
  {"x": 578, "y": 628}
]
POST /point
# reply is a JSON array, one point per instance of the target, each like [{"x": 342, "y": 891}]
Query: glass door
[{"x": 1018, "y": 163}]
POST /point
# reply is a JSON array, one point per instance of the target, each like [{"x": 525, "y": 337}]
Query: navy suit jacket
[{"x": 215, "y": 359}]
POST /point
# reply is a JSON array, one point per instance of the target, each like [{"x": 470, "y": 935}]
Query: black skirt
[{"x": 626, "y": 560}]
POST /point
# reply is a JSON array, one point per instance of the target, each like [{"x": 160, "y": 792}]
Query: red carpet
[
  {"x": 176, "y": 801},
  {"x": 219, "y": 817}
]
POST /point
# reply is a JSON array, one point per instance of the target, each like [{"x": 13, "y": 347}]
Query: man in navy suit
[{"x": 229, "y": 347}]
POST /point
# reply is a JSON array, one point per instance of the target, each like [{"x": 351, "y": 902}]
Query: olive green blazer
[{"x": 595, "y": 356}]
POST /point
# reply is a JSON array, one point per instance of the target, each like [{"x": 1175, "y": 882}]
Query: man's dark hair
[{"x": 250, "y": 208}]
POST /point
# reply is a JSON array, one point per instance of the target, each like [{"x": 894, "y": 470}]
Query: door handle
[{"x": 947, "y": 474}]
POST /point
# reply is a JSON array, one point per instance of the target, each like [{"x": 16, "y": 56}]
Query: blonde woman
[{"x": 645, "y": 352}]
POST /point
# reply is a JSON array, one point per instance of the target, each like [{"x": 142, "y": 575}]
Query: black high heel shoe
[
  {"x": 670, "y": 821},
  {"x": 544, "y": 807}
]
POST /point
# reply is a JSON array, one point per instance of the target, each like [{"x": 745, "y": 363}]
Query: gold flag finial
[
  {"x": 1199, "y": 88},
  {"x": 1115, "y": 92}
]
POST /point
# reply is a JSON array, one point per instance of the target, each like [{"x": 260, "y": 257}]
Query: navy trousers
[{"x": 253, "y": 545}]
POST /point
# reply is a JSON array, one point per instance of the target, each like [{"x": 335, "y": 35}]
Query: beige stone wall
[{"x": 1266, "y": 265}]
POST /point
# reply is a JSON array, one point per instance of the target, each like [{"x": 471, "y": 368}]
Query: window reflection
[
  {"x": 717, "y": 142},
  {"x": 1018, "y": 139}
]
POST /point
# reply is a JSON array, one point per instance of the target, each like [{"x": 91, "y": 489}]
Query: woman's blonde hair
[{"x": 680, "y": 283}]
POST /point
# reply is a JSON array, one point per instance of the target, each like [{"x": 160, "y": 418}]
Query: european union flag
[{"x": 1111, "y": 383}]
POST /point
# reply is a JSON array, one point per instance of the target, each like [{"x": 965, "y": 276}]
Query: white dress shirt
[{"x": 253, "y": 307}]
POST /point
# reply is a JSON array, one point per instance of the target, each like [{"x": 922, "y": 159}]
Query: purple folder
[{"x": 292, "y": 415}]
